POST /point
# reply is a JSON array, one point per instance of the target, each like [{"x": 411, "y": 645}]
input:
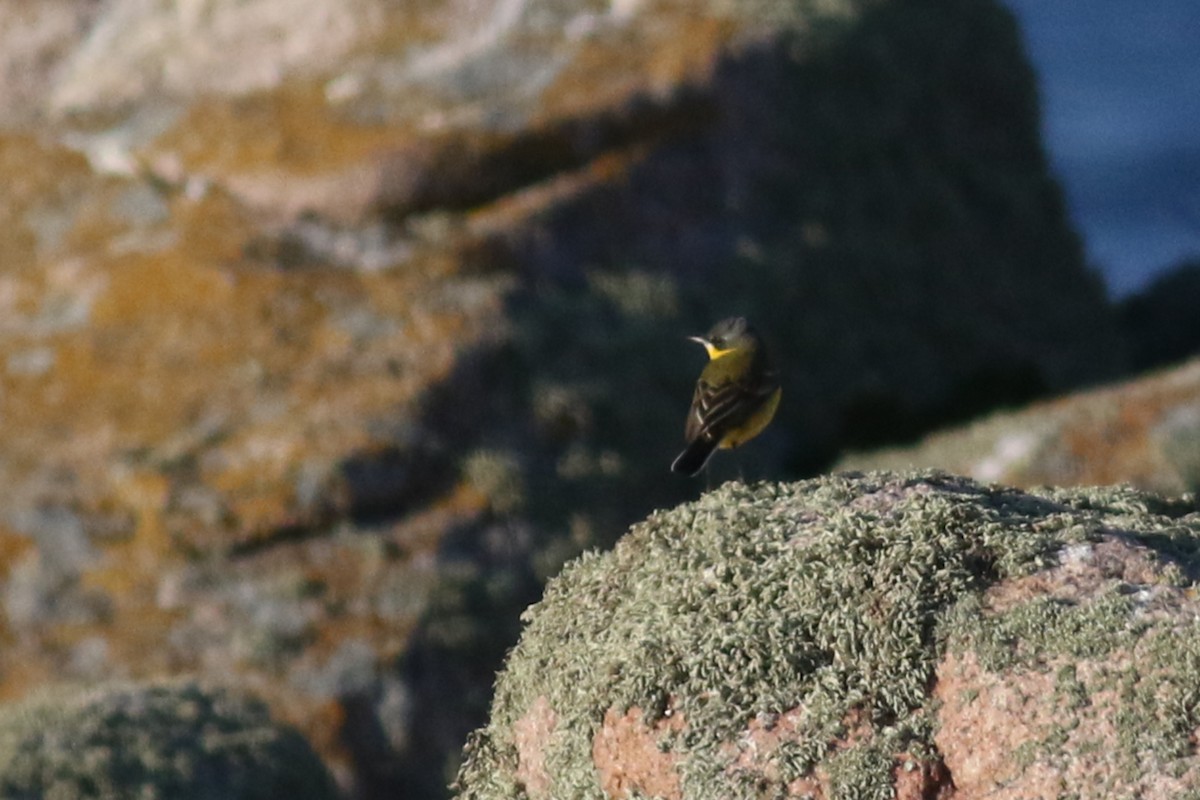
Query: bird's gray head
[
  {"x": 727, "y": 331},
  {"x": 729, "y": 334}
]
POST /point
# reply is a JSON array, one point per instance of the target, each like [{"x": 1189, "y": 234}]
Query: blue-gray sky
[{"x": 1120, "y": 85}]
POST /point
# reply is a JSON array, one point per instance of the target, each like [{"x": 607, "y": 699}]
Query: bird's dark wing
[{"x": 718, "y": 407}]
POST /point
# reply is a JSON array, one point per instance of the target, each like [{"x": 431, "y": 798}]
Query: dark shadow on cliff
[{"x": 1162, "y": 321}]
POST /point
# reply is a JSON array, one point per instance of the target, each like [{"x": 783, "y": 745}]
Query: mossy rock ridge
[
  {"x": 173, "y": 740},
  {"x": 856, "y": 636}
]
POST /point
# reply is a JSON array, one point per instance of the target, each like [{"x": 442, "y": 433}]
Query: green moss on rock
[
  {"x": 797, "y": 629},
  {"x": 171, "y": 740}
]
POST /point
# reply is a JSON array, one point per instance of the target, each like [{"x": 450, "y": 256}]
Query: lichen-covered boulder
[
  {"x": 167, "y": 740},
  {"x": 862, "y": 636}
]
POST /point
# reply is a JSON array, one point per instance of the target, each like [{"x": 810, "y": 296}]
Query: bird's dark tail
[{"x": 694, "y": 456}]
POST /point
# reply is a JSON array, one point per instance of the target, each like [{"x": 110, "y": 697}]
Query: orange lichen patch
[
  {"x": 193, "y": 400},
  {"x": 287, "y": 151},
  {"x": 628, "y": 755},
  {"x": 183, "y": 298},
  {"x": 464, "y": 501},
  {"x": 12, "y": 546},
  {"x": 213, "y": 229},
  {"x": 254, "y": 474},
  {"x": 38, "y": 179},
  {"x": 323, "y": 724},
  {"x": 1116, "y": 434},
  {"x": 33, "y": 166},
  {"x": 651, "y": 61},
  {"x": 181, "y": 353},
  {"x": 1113, "y": 443},
  {"x": 131, "y": 567},
  {"x": 531, "y": 734},
  {"x": 128, "y": 577},
  {"x": 134, "y": 636},
  {"x": 419, "y": 23},
  {"x": 292, "y": 127},
  {"x": 1107, "y": 436},
  {"x": 135, "y": 372},
  {"x": 145, "y": 492},
  {"x": 386, "y": 638},
  {"x": 25, "y": 670},
  {"x": 290, "y": 151},
  {"x": 689, "y": 57}
]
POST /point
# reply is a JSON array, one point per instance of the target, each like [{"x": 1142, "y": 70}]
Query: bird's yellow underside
[{"x": 754, "y": 425}]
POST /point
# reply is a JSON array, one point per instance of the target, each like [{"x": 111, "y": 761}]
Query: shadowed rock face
[
  {"x": 329, "y": 330},
  {"x": 1159, "y": 320},
  {"x": 857, "y": 635}
]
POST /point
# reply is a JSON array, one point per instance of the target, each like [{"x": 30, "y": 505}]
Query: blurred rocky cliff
[
  {"x": 1145, "y": 432},
  {"x": 329, "y": 330}
]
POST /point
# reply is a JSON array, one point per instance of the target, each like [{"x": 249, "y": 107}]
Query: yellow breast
[{"x": 754, "y": 425}]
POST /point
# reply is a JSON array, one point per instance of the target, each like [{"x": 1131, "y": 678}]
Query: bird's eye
[{"x": 719, "y": 342}]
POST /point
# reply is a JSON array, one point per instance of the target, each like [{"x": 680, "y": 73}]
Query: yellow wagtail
[{"x": 735, "y": 398}]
